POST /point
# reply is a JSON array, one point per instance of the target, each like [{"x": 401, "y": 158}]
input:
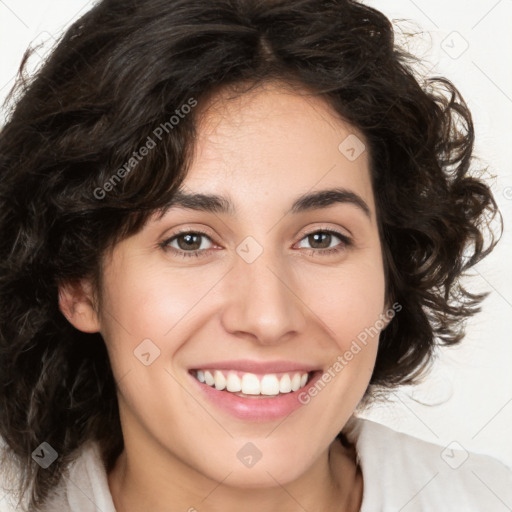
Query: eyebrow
[{"x": 214, "y": 203}]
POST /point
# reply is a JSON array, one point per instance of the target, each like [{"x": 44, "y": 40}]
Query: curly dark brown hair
[{"x": 123, "y": 69}]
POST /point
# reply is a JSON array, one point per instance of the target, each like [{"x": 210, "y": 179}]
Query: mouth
[
  {"x": 252, "y": 385},
  {"x": 254, "y": 395}
]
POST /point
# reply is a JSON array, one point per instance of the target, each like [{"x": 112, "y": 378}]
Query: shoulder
[
  {"x": 402, "y": 472},
  {"x": 82, "y": 488}
]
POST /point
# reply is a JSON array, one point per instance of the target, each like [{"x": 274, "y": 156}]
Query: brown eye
[
  {"x": 320, "y": 241},
  {"x": 188, "y": 243}
]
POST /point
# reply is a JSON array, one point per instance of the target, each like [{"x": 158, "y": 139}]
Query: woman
[{"x": 225, "y": 227}]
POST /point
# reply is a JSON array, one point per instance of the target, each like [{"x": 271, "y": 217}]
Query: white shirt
[{"x": 400, "y": 474}]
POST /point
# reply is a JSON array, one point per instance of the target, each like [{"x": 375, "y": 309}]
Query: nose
[{"x": 263, "y": 301}]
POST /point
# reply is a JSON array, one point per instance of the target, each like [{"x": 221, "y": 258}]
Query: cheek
[
  {"x": 148, "y": 302},
  {"x": 154, "y": 311},
  {"x": 349, "y": 299},
  {"x": 351, "y": 306}
]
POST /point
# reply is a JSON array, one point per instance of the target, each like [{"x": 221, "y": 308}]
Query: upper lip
[{"x": 249, "y": 366}]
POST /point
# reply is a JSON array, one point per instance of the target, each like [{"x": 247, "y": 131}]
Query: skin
[{"x": 263, "y": 150}]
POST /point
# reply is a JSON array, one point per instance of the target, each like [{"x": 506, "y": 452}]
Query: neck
[{"x": 332, "y": 484}]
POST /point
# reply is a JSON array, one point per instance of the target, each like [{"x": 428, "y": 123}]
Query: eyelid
[
  {"x": 300, "y": 236},
  {"x": 185, "y": 231},
  {"x": 336, "y": 231},
  {"x": 346, "y": 241}
]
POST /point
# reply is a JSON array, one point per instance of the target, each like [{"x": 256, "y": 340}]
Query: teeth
[
  {"x": 285, "y": 385},
  {"x": 250, "y": 384},
  {"x": 233, "y": 383},
  {"x": 296, "y": 382},
  {"x": 208, "y": 378},
  {"x": 220, "y": 380},
  {"x": 269, "y": 385}
]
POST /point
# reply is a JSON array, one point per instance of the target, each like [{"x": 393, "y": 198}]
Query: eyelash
[{"x": 345, "y": 242}]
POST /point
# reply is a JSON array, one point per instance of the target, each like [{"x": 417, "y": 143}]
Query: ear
[{"x": 76, "y": 302}]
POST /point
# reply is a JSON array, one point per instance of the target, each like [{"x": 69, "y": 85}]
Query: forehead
[
  {"x": 279, "y": 137},
  {"x": 270, "y": 109}
]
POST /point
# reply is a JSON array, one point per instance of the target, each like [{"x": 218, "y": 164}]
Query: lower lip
[{"x": 256, "y": 409}]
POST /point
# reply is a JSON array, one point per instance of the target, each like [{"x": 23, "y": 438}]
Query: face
[{"x": 252, "y": 294}]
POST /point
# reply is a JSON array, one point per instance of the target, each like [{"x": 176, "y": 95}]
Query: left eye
[
  {"x": 189, "y": 242},
  {"x": 323, "y": 238}
]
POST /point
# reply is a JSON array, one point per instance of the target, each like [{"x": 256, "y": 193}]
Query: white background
[{"x": 472, "y": 384}]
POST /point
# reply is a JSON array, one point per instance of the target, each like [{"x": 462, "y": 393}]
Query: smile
[
  {"x": 244, "y": 383},
  {"x": 254, "y": 391}
]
